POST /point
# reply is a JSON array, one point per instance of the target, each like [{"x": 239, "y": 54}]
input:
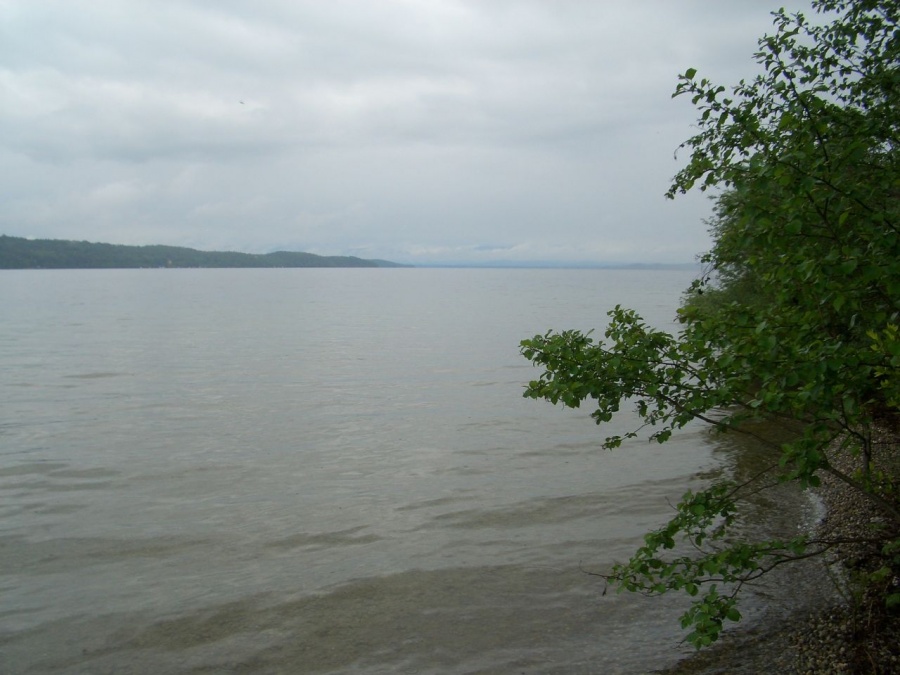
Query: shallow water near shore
[{"x": 326, "y": 471}]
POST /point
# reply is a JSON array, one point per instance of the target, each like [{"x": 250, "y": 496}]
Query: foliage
[
  {"x": 796, "y": 316},
  {"x": 20, "y": 253}
]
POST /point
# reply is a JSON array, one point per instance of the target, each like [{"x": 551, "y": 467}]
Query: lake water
[{"x": 320, "y": 471}]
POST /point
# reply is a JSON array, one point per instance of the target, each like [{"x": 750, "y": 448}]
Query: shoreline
[{"x": 841, "y": 630}]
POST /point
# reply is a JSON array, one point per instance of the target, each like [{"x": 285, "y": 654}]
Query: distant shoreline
[
  {"x": 527, "y": 265},
  {"x": 21, "y": 253}
]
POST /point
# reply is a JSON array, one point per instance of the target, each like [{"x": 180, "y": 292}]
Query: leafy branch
[{"x": 795, "y": 318}]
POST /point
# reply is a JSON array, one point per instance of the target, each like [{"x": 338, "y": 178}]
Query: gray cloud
[{"x": 413, "y": 130}]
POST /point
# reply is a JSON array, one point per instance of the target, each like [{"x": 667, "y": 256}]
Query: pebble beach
[{"x": 843, "y": 630}]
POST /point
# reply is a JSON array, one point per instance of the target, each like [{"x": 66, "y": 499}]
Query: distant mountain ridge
[
  {"x": 561, "y": 265},
  {"x": 21, "y": 253}
]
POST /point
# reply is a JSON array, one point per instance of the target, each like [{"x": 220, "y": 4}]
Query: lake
[{"x": 321, "y": 471}]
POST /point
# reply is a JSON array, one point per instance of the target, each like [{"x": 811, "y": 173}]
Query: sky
[{"x": 418, "y": 131}]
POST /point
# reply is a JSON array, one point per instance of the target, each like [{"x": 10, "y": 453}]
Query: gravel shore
[
  {"x": 843, "y": 629},
  {"x": 859, "y": 636}
]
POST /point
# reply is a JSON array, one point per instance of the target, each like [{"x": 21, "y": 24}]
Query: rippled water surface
[{"x": 319, "y": 471}]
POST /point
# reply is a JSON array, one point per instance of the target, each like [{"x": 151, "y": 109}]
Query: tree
[{"x": 796, "y": 316}]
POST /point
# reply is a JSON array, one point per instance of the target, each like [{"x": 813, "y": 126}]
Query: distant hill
[
  {"x": 20, "y": 253},
  {"x": 564, "y": 265}
]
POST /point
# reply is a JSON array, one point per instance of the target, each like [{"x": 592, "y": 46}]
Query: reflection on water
[{"x": 322, "y": 471}]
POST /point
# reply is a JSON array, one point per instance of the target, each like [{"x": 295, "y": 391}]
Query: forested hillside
[{"x": 20, "y": 253}]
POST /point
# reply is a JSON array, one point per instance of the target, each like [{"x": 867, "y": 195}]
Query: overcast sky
[{"x": 420, "y": 131}]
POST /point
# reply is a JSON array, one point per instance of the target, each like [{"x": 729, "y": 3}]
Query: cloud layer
[{"x": 413, "y": 130}]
